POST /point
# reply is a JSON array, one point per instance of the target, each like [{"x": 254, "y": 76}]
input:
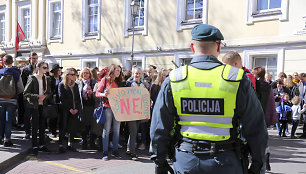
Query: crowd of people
[{"x": 64, "y": 102}]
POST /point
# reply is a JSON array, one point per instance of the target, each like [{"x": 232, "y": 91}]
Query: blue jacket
[{"x": 11, "y": 71}]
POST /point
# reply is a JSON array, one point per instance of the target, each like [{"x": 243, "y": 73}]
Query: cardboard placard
[{"x": 131, "y": 103}]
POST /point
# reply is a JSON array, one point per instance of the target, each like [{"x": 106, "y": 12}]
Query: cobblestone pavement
[{"x": 288, "y": 156}]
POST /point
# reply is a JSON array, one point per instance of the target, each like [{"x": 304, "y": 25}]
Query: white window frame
[
  {"x": 253, "y": 15},
  {"x": 50, "y": 38},
  {"x": 128, "y": 31},
  {"x": 250, "y": 54},
  {"x": 182, "y": 23},
  {"x": 85, "y": 21},
  {"x": 126, "y": 59},
  {"x": 178, "y": 58},
  {"x": 84, "y": 60},
  {"x": 21, "y": 6},
  {"x": 2, "y": 11}
]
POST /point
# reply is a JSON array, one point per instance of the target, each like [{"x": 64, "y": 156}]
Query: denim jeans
[
  {"x": 110, "y": 118},
  {"x": 7, "y": 114}
]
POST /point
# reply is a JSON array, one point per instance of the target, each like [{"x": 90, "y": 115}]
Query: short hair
[
  {"x": 282, "y": 74},
  {"x": 259, "y": 72},
  {"x": 296, "y": 100},
  {"x": 231, "y": 57},
  {"x": 303, "y": 75},
  {"x": 8, "y": 59},
  {"x": 33, "y": 54}
]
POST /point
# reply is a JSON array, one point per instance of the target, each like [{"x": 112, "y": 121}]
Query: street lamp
[{"x": 134, "y": 11}]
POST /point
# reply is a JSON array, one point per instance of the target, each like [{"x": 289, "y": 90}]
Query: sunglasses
[
  {"x": 44, "y": 67},
  {"x": 72, "y": 74}
]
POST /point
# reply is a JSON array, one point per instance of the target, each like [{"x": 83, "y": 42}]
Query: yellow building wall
[
  {"x": 295, "y": 61},
  {"x": 71, "y": 64},
  {"x": 160, "y": 62},
  {"x": 106, "y": 62}
]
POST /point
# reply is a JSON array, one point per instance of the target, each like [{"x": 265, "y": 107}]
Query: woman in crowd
[
  {"x": 37, "y": 92},
  {"x": 133, "y": 125},
  {"x": 86, "y": 85},
  {"x": 70, "y": 98},
  {"x": 296, "y": 78},
  {"x": 291, "y": 86},
  {"x": 113, "y": 80},
  {"x": 55, "y": 78},
  {"x": 157, "y": 84}
]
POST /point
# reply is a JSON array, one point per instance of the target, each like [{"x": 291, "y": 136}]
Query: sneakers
[
  {"x": 8, "y": 143},
  {"x": 105, "y": 156},
  {"x": 116, "y": 155},
  {"x": 44, "y": 149},
  {"x": 142, "y": 147},
  {"x": 132, "y": 155},
  {"x": 27, "y": 136}
]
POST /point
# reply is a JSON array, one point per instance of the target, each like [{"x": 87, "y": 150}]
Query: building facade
[{"x": 90, "y": 33}]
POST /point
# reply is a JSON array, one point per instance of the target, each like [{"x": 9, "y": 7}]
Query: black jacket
[
  {"x": 66, "y": 97},
  {"x": 26, "y": 72},
  {"x": 54, "y": 88},
  {"x": 31, "y": 91},
  {"x": 248, "y": 110}
]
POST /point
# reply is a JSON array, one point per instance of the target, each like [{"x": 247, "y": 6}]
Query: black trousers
[{"x": 38, "y": 123}]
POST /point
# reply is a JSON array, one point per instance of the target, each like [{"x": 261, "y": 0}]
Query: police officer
[{"x": 200, "y": 107}]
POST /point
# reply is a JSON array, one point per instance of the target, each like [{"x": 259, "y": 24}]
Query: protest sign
[{"x": 128, "y": 104}]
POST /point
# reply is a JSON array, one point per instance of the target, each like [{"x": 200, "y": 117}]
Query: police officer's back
[{"x": 201, "y": 106}]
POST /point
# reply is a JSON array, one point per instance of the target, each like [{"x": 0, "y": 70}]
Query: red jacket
[{"x": 251, "y": 77}]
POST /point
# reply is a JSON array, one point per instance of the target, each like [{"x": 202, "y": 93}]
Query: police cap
[{"x": 205, "y": 32}]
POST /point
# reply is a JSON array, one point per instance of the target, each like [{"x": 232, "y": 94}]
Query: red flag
[{"x": 19, "y": 36}]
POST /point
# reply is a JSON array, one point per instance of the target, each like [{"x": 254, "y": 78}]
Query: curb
[{"x": 15, "y": 159}]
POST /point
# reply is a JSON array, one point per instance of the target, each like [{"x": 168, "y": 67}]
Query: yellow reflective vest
[{"x": 205, "y": 100}]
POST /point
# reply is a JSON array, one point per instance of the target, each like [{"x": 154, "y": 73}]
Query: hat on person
[
  {"x": 205, "y": 32},
  {"x": 55, "y": 67}
]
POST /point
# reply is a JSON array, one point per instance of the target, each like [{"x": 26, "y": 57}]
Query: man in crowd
[
  {"x": 26, "y": 72},
  {"x": 8, "y": 102},
  {"x": 206, "y": 134}
]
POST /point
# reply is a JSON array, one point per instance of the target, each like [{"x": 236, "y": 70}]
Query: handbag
[{"x": 98, "y": 112}]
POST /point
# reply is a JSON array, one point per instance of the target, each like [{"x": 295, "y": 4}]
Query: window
[
  {"x": 89, "y": 62},
  {"x": 55, "y": 24},
  {"x": 141, "y": 20},
  {"x": 261, "y": 10},
  {"x": 139, "y": 61},
  {"x": 24, "y": 18},
  {"x": 2, "y": 27},
  {"x": 268, "y": 62},
  {"x": 191, "y": 13},
  {"x": 268, "y": 4},
  {"x": 271, "y": 59},
  {"x": 91, "y": 19}
]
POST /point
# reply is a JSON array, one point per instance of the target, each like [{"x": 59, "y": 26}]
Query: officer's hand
[{"x": 163, "y": 169}]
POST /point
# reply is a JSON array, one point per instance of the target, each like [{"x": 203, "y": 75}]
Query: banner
[{"x": 128, "y": 104}]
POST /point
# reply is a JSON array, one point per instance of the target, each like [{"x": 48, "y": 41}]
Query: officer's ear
[
  {"x": 219, "y": 47},
  {"x": 192, "y": 47}
]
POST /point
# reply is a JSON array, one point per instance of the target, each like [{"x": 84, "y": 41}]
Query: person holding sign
[
  {"x": 113, "y": 80},
  {"x": 133, "y": 125}
]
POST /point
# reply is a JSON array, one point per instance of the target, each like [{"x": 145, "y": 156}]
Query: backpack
[{"x": 7, "y": 86}]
